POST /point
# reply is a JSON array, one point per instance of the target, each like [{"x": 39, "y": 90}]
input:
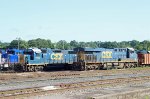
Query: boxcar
[{"x": 144, "y": 58}]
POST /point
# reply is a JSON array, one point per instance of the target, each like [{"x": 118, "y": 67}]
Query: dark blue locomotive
[
  {"x": 9, "y": 58},
  {"x": 100, "y": 58},
  {"x": 35, "y": 59}
]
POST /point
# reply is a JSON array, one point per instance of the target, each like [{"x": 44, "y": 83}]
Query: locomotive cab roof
[
  {"x": 36, "y": 50},
  {"x": 131, "y": 49},
  {"x": 88, "y": 49},
  {"x": 14, "y": 51}
]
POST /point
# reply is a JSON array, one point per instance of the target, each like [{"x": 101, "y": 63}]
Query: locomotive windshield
[
  {"x": 28, "y": 52},
  {"x": 44, "y": 50},
  {"x": 71, "y": 52},
  {"x": 11, "y": 52},
  {"x": 57, "y": 51}
]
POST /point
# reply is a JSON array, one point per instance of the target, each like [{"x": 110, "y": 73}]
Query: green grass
[
  {"x": 146, "y": 97},
  {"x": 139, "y": 68}
]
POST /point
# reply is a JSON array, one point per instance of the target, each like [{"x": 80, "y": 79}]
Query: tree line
[{"x": 62, "y": 44}]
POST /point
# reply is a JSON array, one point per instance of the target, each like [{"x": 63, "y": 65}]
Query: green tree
[
  {"x": 73, "y": 44},
  {"x": 82, "y": 44},
  {"x": 50, "y": 44},
  {"x": 124, "y": 44},
  {"x": 146, "y": 45},
  {"x": 40, "y": 43},
  {"x": 1, "y": 44},
  {"x": 62, "y": 44},
  {"x": 134, "y": 43},
  {"x": 22, "y": 44},
  {"x": 91, "y": 44},
  {"x": 32, "y": 43}
]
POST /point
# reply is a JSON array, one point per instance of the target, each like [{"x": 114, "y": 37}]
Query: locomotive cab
[
  {"x": 131, "y": 54},
  {"x": 87, "y": 58},
  {"x": 13, "y": 55},
  {"x": 33, "y": 55},
  {"x": 34, "y": 59},
  {"x": 11, "y": 58}
]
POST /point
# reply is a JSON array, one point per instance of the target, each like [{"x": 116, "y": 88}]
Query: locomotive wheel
[
  {"x": 82, "y": 64},
  {"x": 82, "y": 68},
  {"x": 131, "y": 65},
  {"x": 75, "y": 67},
  {"x": 36, "y": 68},
  {"x": 31, "y": 68},
  {"x": 18, "y": 67},
  {"x": 124, "y": 66},
  {"x": 127, "y": 65},
  {"x": 87, "y": 67},
  {"x": 135, "y": 64},
  {"x": 25, "y": 68},
  {"x": 28, "y": 68},
  {"x": 12, "y": 67},
  {"x": 41, "y": 68},
  {"x": 96, "y": 67},
  {"x": 101, "y": 66}
]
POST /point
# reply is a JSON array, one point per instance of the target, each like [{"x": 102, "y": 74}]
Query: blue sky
[{"x": 81, "y": 20}]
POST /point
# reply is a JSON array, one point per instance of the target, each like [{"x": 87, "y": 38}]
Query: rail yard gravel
[{"x": 50, "y": 79}]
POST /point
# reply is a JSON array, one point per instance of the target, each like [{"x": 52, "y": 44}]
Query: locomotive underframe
[
  {"x": 103, "y": 65},
  {"x": 34, "y": 67},
  {"x": 92, "y": 63},
  {"x": 18, "y": 67}
]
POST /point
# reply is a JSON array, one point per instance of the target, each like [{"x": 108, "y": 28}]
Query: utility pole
[
  {"x": 18, "y": 42},
  {"x": 63, "y": 44},
  {"x": 55, "y": 45}
]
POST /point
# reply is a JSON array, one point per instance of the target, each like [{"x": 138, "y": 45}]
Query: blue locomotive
[
  {"x": 100, "y": 58},
  {"x": 36, "y": 59},
  {"x": 2, "y": 57},
  {"x": 9, "y": 58}
]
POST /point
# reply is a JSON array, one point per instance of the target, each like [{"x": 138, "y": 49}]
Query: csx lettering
[
  {"x": 107, "y": 54},
  {"x": 57, "y": 56}
]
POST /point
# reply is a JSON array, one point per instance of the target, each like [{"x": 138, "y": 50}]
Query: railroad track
[
  {"x": 71, "y": 86},
  {"x": 64, "y": 74}
]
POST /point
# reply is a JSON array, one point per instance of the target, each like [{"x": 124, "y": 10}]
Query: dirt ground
[
  {"x": 4, "y": 77},
  {"x": 96, "y": 93}
]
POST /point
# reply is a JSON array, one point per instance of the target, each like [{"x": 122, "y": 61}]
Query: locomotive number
[
  {"x": 107, "y": 54},
  {"x": 57, "y": 56}
]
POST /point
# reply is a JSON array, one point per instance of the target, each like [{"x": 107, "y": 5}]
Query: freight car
[
  {"x": 100, "y": 58},
  {"x": 144, "y": 58}
]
